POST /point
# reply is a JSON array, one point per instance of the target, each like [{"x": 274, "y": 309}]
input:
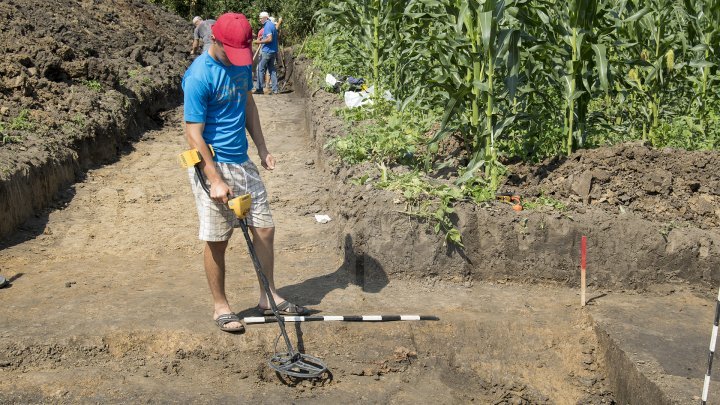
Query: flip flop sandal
[
  {"x": 225, "y": 319},
  {"x": 286, "y": 308}
]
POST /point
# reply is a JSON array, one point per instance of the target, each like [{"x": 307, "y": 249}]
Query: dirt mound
[
  {"x": 79, "y": 78},
  {"x": 668, "y": 185}
]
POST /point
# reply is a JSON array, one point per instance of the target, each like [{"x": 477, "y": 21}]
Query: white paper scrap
[{"x": 322, "y": 218}]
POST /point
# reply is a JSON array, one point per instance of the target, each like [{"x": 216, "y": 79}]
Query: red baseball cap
[{"x": 234, "y": 32}]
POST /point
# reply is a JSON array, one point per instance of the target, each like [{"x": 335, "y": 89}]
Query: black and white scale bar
[
  {"x": 713, "y": 340},
  {"x": 345, "y": 318}
]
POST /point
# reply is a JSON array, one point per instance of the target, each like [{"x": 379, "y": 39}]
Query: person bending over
[{"x": 201, "y": 34}]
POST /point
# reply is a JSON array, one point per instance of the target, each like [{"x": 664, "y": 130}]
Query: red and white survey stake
[{"x": 583, "y": 249}]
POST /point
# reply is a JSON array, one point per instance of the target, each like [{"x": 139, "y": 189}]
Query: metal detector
[{"x": 290, "y": 363}]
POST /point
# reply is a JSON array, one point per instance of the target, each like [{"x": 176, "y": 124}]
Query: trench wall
[{"x": 624, "y": 251}]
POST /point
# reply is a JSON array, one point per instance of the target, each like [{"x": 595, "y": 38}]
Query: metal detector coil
[{"x": 297, "y": 365}]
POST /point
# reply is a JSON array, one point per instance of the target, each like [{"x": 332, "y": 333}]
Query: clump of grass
[
  {"x": 22, "y": 121},
  {"x": 78, "y": 119},
  {"x": 93, "y": 85},
  {"x": 9, "y": 138},
  {"x": 545, "y": 201},
  {"x": 5, "y": 139}
]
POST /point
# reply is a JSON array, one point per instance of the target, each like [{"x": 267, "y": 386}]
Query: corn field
[{"x": 529, "y": 79}]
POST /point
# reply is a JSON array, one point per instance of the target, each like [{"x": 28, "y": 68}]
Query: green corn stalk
[
  {"x": 457, "y": 46},
  {"x": 704, "y": 33},
  {"x": 480, "y": 47},
  {"x": 567, "y": 62},
  {"x": 415, "y": 36},
  {"x": 532, "y": 85},
  {"x": 374, "y": 36},
  {"x": 652, "y": 30},
  {"x": 488, "y": 31},
  {"x": 499, "y": 46},
  {"x": 586, "y": 53}
]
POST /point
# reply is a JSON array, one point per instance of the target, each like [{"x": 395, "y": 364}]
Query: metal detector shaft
[
  {"x": 201, "y": 176},
  {"x": 266, "y": 286},
  {"x": 291, "y": 363},
  {"x": 343, "y": 318}
]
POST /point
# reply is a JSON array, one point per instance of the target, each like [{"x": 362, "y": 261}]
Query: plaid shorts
[{"x": 217, "y": 220}]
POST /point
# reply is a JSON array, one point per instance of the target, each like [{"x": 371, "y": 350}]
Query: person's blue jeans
[{"x": 267, "y": 61}]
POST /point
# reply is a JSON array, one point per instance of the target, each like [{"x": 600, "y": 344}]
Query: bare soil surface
[{"x": 109, "y": 302}]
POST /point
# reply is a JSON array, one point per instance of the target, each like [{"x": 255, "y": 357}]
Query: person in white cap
[
  {"x": 202, "y": 32},
  {"x": 218, "y": 109},
  {"x": 268, "y": 54}
]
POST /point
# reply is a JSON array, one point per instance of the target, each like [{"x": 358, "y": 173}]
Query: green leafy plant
[
  {"x": 428, "y": 200},
  {"x": 544, "y": 201},
  {"x": 22, "y": 121},
  {"x": 6, "y": 138},
  {"x": 78, "y": 119},
  {"x": 379, "y": 143},
  {"x": 93, "y": 85}
]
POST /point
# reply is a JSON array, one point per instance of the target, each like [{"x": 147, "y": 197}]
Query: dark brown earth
[
  {"x": 108, "y": 302},
  {"x": 88, "y": 76},
  {"x": 675, "y": 187}
]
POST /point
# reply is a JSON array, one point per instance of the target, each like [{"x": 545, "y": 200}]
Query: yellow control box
[
  {"x": 240, "y": 205},
  {"x": 191, "y": 157}
]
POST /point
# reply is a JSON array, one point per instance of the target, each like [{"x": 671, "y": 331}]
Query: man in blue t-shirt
[
  {"x": 268, "y": 54},
  {"x": 218, "y": 108}
]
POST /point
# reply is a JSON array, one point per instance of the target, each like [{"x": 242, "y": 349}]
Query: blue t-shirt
[
  {"x": 269, "y": 28},
  {"x": 216, "y": 94}
]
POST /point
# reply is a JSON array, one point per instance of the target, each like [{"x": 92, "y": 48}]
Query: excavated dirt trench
[{"x": 109, "y": 303}]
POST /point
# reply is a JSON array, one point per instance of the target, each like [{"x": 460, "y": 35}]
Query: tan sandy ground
[{"x": 109, "y": 303}]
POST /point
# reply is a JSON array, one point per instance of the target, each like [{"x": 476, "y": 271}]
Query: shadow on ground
[{"x": 357, "y": 269}]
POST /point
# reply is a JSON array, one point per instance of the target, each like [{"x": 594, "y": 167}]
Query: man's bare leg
[
  {"x": 214, "y": 258},
  {"x": 263, "y": 240}
]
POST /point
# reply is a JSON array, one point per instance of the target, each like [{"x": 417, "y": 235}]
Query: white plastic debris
[
  {"x": 357, "y": 98},
  {"x": 322, "y": 218},
  {"x": 330, "y": 80}
]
